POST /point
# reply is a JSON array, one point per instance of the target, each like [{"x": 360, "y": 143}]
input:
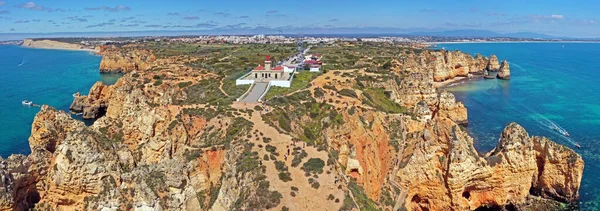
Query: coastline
[
  {"x": 452, "y": 82},
  {"x": 63, "y": 49},
  {"x": 501, "y": 42}
]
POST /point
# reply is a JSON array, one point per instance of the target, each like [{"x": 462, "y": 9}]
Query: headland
[{"x": 369, "y": 131}]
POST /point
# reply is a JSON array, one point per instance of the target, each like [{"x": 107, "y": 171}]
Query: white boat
[{"x": 27, "y": 102}]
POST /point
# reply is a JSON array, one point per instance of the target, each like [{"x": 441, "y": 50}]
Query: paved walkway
[{"x": 257, "y": 90}]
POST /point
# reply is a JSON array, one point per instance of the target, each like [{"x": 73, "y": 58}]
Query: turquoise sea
[
  {"x": 44, "y": 77},
  {"x": 551, "y": 83}
]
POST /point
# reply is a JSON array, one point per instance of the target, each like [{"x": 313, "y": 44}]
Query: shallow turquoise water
[
  {"x": 44, "y": 77},
  {"x": 549, "y": 83}
]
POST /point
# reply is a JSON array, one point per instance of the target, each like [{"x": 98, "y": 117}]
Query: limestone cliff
[
  {"x": 449, "y": 64},
  {"x": 51, "y": 44},
  {"x": 122, "y": 60},
  {"x": 170, "y": 139},
  {"x": 493, "y": 64},
  {"x": 93, "y": 105},
  {"x": 504, "y": 71},
  {"x": 443, "y": 171}
]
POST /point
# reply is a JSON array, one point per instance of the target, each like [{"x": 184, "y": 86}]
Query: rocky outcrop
[
  {"x": 449, "y": 64},
  {"x": 51, "y": 44},
  {"x": 123, "y": 60},
  {"x": 93, "y": 105},
  {"x": 456, "y": 177},
  {"x": 493, "y": 64},
  {"x": 449, "y": 108},
  {"x": 504, "y": 71},
  {"x": 416, "y": 87}
]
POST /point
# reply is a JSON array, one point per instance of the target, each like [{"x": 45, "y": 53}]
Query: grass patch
[
  {"x": 363, "y": 201},
  {"x": 377, "y": 98},
  {"x": 301, "y": 81}
]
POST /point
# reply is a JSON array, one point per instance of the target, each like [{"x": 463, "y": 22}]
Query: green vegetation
[
  {"x": 348, "y": 204},
  {"x": 205, "y": 91},
  {"x": 184, "y": 84},
  {"x": 313, "y": 165},
  {"x": 377, "y": 98},
  {"x": 155, "y": 180},
  {"x": 362, "y": 200},
  {"x": 301, "y": 81},
  {"x": 348, "y": 93},
  {"x": 270, "y": 148},
  {"x": 192, "y": 155},
  {"x": 298, "y": 156}
]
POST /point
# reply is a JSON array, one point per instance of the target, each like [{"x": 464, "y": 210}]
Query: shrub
[
  {"x": 348, "y": 93},
  {"x": 184, "y": 84},
  {"x": 285, "y": 176},
  {"x": 314, "y": 165}
]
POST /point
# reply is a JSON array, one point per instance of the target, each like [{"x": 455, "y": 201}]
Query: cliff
[
  {"x": 122, "y": 60},
  {"x": 51, "y": 44},
  {"x": 170, "y": 139},
  {"x": 93, "y": 105},
  {"x": 446, "y": 65},
  {"x": 493, "y": 64},
  {"x": 504, "y": 71}
]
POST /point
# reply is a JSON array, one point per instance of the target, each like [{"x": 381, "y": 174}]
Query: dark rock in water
[{"x": 504, "y": 71}]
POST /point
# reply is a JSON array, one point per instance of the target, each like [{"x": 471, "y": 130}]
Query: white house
[
  {"x": 289, "y": 68},
  {"x": 315, "y": 68}
]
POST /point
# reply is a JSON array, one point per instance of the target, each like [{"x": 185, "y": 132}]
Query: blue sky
[{"x": 577, "y": 18}]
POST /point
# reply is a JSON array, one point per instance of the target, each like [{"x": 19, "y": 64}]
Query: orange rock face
[
  {"x": 125, "y": 60},
  {"x": 443, "y": 171}
]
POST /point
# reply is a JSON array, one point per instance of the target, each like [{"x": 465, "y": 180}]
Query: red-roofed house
[{"x": 266, "y": 71}]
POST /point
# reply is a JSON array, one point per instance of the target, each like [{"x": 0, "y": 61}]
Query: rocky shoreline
[{"x": 164, "y": 141}]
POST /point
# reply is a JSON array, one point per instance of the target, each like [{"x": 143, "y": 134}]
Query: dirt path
[
  {"x": 221, "y": 87},
  {"x": 306, "y": 198}
]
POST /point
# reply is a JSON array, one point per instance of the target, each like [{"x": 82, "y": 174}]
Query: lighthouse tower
[{"x": 268, "y": 63}]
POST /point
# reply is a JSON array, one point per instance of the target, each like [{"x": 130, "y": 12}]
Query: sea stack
[
  {"x": 493, "y": 64},
  {"x": 504, "y": 71}
]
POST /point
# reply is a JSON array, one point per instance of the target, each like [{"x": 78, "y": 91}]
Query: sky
[{"x": 574, "y": 18}]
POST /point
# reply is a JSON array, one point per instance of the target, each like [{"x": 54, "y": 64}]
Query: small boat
[
  {"x": 79, "y": 114},
  {"x": 566, "y": 134},
  {"x": 578, "y": 146},
  {"x": 555, "y": 128},
  {"x": 26, "y": 103}
]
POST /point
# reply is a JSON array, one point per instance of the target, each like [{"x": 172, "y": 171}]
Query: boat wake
[
  {"x": 22, "y": 62},
  {"x": 551, "y": 126}
]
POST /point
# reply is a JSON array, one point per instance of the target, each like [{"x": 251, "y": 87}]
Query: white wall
[
  {"x": 242, "y": 82},
  {"x": 286, "y": 84},
  {"x": 288, "y": 69},
  {"x": 315, "y": 69}
]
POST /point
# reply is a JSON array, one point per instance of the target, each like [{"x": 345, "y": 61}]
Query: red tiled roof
[
  {"x": 260, "y": 67},
  {"x": 311, "y": 62}
]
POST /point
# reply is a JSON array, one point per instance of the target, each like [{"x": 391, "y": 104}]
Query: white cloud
[
  {"x": 554, "y": 16},
  {"x": 32, "y": 6}
]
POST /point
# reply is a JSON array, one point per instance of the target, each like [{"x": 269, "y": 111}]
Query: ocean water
[
  {"x": 551, "y": 83},
  {"x": 45, "y": 77}
]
